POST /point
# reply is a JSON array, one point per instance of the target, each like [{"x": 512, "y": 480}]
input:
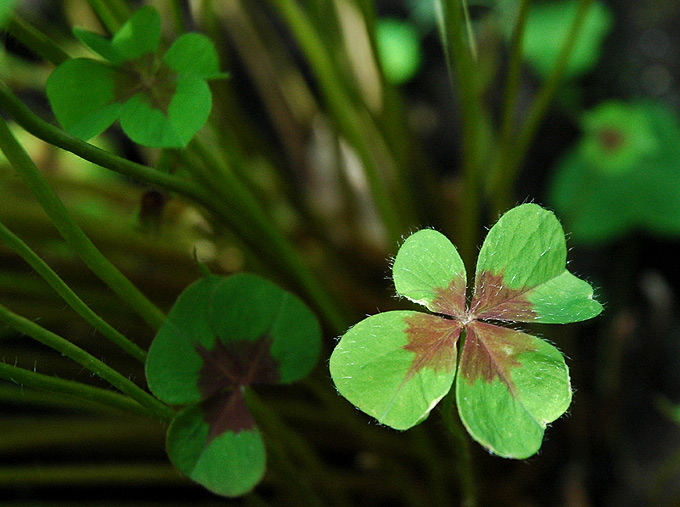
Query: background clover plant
[
  {"x": 622, "y": 174},
  {"x": 221, "y": 336},
  {"x": 161, "y": 101},
  {"x": 397, "y": 365}
]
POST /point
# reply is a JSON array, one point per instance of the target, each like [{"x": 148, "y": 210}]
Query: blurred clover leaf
[
  {"x": 547, "y": 28},
  {"x": 623, "y": 174},
  {"x": 221, "y": 336},
  {"x": 399, "y": 50},
  {"x": 161, "y": 101},
  {"x": 397, "y": 365},
  {"x": 6, "y": 7}
]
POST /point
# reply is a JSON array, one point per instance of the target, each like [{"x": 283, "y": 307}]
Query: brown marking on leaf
[
  {"x": 156, "y": 81},
  {"x": 611, "y": 139},
  {"x": 433, "y": 341},
  {"x": 494, "y": 300},
  {"x": 491, "y": 352},
  {"x": 236, "y": 364},
  {"x": 227, "y": 411},
  {"x": 450, "y": 300}
]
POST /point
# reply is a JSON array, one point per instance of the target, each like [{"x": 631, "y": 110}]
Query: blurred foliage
[{"x": 623, "y": 174}]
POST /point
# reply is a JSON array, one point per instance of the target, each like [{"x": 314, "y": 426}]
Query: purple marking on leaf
[
  {"x": 491, "y": 352},
  {"x": 433, "y": 341},
  {"x": 494, "y": 300},
  {"x": 450, "y": 300},
  {"x": 157, "y": 84},
  {"x": 227, "y": 411},
  {"x": 236, "y": 364}
]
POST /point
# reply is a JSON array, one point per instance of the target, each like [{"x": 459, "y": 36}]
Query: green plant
[
  {"x": 397, "y": 365},
  {"x": 303, "y": 168}
]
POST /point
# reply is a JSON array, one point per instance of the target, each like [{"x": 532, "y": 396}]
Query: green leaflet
[
  {"x": 161, "y": 102},
  {"x": 221, "y": 336},
  {"x": 396, "y": 366}
]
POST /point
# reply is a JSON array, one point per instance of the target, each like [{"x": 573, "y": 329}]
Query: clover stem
[
  {"x": 31, "y": 379},
  {"x": 72, "y": 233},
  {"x": 16, "y": 244},
  {"x": 461, "y": 445},
  {"x": 86, "y": 360}
]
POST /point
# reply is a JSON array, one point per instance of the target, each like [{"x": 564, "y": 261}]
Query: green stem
[
  {"x": 240, "y": 196},
  {"x": 343, "y": 111},
  {"x": 15, "y": 243},
  {"x": 468, "y": 28},
  {"x": 106, "y": 14},
  {"x": 71, "y": 232},
  {"x": 57, "y": 137},
  {"x": 36, "y": 41},
  {"x": 461, "y": 445},
  {"x": 178, "y": 17},
  {"x": 518, "y": 148},
  {"x": 27, "y": 378},
  {"x": 86, "y": 360},
  {"x": 513, "y": 80},
  {"x": 462, "y": 71}
]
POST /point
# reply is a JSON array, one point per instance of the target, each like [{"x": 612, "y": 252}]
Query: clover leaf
[
  {"x": 221, "y": 336},
  {"x": 622, "y": 174},
  {"x": 397, "y": 365},
  {"x": 161, "y": 101}
]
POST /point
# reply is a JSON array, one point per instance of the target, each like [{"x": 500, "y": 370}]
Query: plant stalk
[
  {"x": 16, "y": 244},
  {"x": 80, "y": 356},
  {"x": 73, "y": 234}
]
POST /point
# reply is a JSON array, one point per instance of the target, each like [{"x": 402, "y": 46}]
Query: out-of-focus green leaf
[
  {"x": 547, "y": 29},
  {"x": 622, "y": 175}
]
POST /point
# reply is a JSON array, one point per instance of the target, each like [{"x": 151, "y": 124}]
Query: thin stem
[
  {"x": 240, "y": 196},
  {"x": 343, "y": 111},
  {"x": 106, "y": 15},
  {"x": 518, "y": 148},
  {"x": 16, "y": 244},
  {"x": 461, "y": 445},
  {"x": 178, "y": 17},
  {"x": 513, "y": 76},
  {"x": 462, "y": 72},
  {"x": 36, "y": 41},
  {"x": 57, "y": 137},
  {"x": 469, "y": 30},
  {"x": 27, "y": 378},
  {"x": 86, "y": 360},
  {"x": 72, "y": 233}
]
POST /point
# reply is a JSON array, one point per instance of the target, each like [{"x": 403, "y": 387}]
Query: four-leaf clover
[
  {"x": 221, "y": 336},
  {"x": 161, "y": 102},
  {"x": 397, "y": 365}
]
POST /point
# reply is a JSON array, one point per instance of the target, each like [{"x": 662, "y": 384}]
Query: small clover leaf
[
  {"x": 397, "y": 365},
  {"x": 221, "y": 336},
  {"x": 161, "y": 101}
]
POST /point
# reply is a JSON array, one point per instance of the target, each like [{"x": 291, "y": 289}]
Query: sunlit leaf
[
  {"x": 396, "y": 366},
  {"x": 426, "y": 265},
  {"x": 509, "y": 386},
  {"x": 522, "y": 275},
  {"x": 99, "y": 44}
]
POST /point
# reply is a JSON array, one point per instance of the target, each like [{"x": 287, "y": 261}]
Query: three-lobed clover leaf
[
  {"x": 161, "y": 102},
  {"x": 222, "y": 335},
  {"x": 397, "y": 365}
]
